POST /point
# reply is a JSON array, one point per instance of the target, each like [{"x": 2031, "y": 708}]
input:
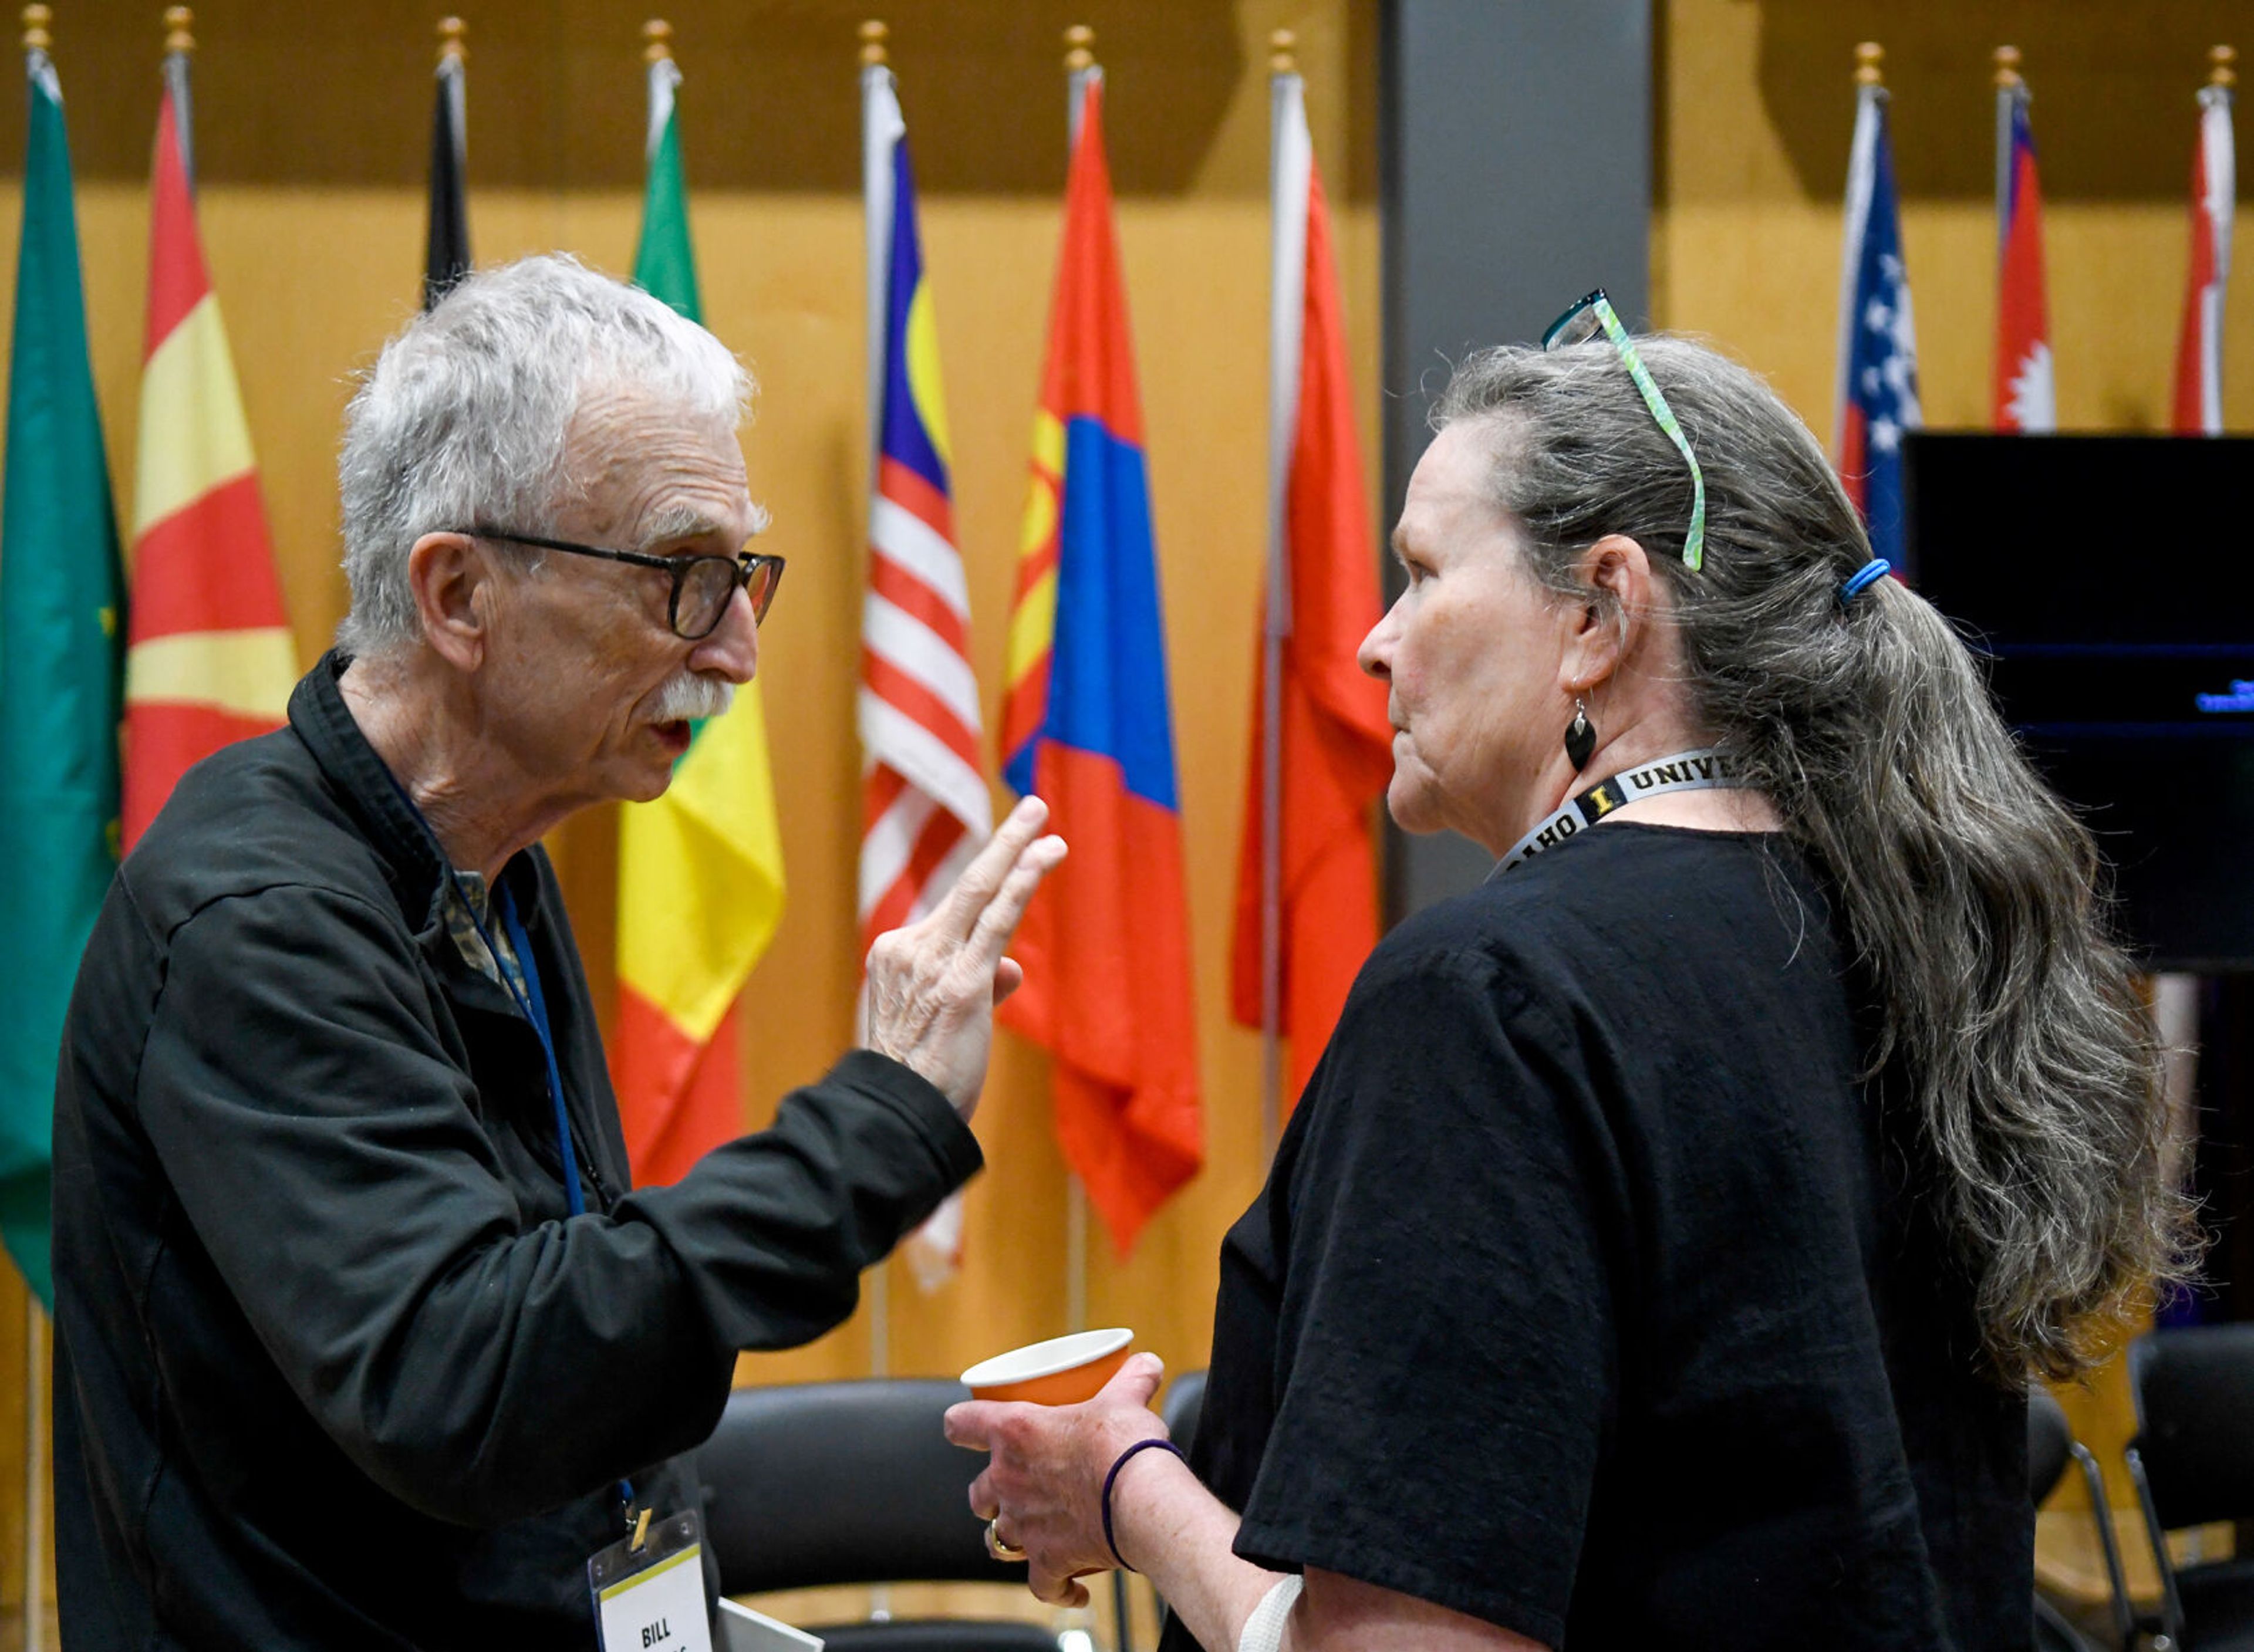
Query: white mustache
[{"x": 692, "y": 696}]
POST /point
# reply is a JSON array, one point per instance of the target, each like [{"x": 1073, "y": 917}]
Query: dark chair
[
  {"x": 1179, "y": 1407},
  {"x": 1183, "y": 1405},
  {"x": 830, "y": 1483},
  {"x": 2051, "y": 1446},
  {"x": 2193, "y": 1462}
]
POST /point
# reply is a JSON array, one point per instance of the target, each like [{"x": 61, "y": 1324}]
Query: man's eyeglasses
[
  {"x": 1594, "y": 314},
  {"x": 703, "y": 586}
]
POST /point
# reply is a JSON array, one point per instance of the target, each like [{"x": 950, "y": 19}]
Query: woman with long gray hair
[{"x": 1661, "y": 1251}]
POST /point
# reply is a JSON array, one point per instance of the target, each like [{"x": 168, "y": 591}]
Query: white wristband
[{"x": 1264, "y": 1630}]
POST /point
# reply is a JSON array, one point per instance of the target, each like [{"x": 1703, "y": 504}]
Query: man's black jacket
[{"x": 333, "y": 1368}]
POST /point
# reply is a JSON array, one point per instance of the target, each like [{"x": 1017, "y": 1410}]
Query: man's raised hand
[{"x": 933, "y": 984}]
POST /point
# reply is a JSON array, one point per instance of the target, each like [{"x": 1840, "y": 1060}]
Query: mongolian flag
[
  {"x": 1877, "y": 340},
  {"x": 210, "y": 659},
  {"x": 700, "y": 870},
  {"x": 1086, "y": 724},
  {"x": 2199, "y": 351},
  {"x": 2025, "y": 399},
  {"x": 1335, "y": 748},
  {"x": 925, "y": 808}
]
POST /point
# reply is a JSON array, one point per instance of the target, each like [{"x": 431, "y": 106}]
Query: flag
[
  {"x": 446, "y": 254},
  {"x": 61, "y": 668},
  {"x": 1336, "y": 746},
  {"x": 925, "y": 808},
  {"x": 2025, "y": 400},
  {"x": 210, "y": 658},
  {"x": 1878, "y": 341},
  {"x": 2199, "y": 351},
  {"x": 700, "y": 870},
  {"x": 1086, "y": 724}
]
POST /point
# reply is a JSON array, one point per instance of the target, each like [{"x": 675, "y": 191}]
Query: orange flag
[
  {"x": 209, "y": 657},
  {"x": 1337, "y": 744}
]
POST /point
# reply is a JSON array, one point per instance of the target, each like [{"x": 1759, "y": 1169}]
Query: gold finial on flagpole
[
  {"x": 179, "y": 21},
  {"x": 873, "y": 36},
  {"x": 657, "y": 40},
  {"x": 1282, "y": 54},
  {"x": 36, "y": 38},
  {"x": 2007, "y": 68},
  {"x": 2221, "y": 57},
  {"x": 1868, "y": 58},
  {"x": 1080, "y": 48},
  {"x": 451, "y": 45}
]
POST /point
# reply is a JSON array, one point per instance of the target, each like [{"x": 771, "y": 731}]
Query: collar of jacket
[{"x": 413, "y": 859}]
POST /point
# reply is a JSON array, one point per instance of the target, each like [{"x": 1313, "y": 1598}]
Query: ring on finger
[{"x": 996, "y": 1547}]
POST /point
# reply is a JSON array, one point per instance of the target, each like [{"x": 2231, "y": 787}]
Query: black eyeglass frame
[{"x": 743, "y": 568}]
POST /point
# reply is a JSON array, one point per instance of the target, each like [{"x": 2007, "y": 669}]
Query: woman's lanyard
[{"x": 1703, "y": 770}]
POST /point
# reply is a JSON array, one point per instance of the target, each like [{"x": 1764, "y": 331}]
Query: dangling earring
[{"x": 1580, "y": 736}]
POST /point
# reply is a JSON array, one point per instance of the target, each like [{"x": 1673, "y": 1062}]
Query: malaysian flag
[
  {"x": 925, "y": 808},
  {"x": 1878, "y": 341}
]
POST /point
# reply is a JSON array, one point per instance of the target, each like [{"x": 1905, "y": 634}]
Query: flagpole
[
  {"x": 1080, "y": 72},
  {"x": 35, "y": 1466},
  {"x": 1287, "y": 284},
  {"x": 36, "y": 40},
  {"x": 2009, "y": 87},
  {"x": 178, "y": 43},
  {"x": 876, "y": 207}
]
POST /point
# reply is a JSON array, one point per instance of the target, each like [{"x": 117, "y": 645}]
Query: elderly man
[{"x": 359, "y": 1328}]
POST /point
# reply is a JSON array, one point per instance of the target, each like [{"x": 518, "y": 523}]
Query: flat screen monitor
[{"x": 2110, "y": 581}]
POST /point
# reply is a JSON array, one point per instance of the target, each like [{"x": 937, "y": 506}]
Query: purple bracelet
[{"x": 1112, "y": 1479}]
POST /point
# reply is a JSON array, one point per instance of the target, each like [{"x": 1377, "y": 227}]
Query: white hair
[{"x": 465, "y": 417}]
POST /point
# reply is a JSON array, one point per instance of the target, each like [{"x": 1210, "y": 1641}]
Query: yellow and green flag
[
  {"x": 61, "y": 674},
  {"x": 700, "y": 870}
]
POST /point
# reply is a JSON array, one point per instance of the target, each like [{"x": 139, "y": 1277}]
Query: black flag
[{"x": 448, "y": 258}]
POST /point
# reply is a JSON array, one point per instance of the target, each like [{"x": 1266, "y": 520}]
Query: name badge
[{"x": 650, "y": 1598}]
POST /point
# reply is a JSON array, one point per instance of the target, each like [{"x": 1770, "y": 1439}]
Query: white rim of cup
[{"x": 1038, "y": 1360}]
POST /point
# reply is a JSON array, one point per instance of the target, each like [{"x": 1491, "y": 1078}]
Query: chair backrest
[
  {"x": 2194, "y": 1393},
  {"x": 2050, "y": 1442},
  {"x": 1182, "y": 1406},
  {"x": 826, "y": 1483}
]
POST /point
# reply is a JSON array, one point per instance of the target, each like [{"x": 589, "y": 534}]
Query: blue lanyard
[
  {"x": 533, "y": 1005},
  {"x": 535, "y": 1011}
]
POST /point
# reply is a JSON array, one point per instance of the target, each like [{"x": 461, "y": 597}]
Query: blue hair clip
[{"x": 1868, "y": 575}]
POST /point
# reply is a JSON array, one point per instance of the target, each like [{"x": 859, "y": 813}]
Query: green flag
[
  {"x": 61, "y": 675},
  {"x": 664, "y": 266}
]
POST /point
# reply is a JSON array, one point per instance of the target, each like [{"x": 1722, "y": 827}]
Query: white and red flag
[
  {"x": 2025, "y": 398},
  {"x": 2199, "y": 349}
]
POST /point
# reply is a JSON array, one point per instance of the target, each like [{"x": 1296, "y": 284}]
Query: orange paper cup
[{"x": 1061, "y": 1371}]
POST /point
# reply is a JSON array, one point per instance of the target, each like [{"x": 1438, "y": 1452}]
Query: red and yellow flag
[
  {"x": 1088, "y": 725},
  {"x": 209, "y": 657}
]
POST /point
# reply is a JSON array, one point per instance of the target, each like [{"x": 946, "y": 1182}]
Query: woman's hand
[{"x": 1044, "y": 1489}]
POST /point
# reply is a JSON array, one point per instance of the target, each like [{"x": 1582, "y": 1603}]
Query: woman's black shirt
[{"x": 1589, "y": 1297}]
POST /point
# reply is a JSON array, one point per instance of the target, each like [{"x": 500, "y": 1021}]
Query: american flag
[{"x": 1877, "y": 340}]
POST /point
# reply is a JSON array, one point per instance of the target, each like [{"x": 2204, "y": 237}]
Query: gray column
[{"x": 1516, "y": 174}]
